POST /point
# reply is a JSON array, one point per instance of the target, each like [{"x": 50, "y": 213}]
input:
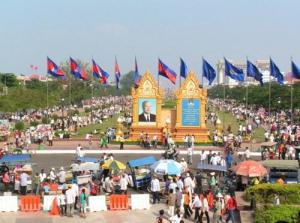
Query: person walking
[
  {"x": 83, "y": 202},
  {"x": 6, "y": 180},
  {"x": 36, "y": 183},
  {"x": 231, "y": 206},
  {"x": 122, "y": 140},
  {"x": 123, "y": 184},
  {"x": 186, "y": 205},
  {"x": 155, "y": 189},
  {"x": 61, "y": 176},
  {"x": 205, "y": 209},
  {"x": 171, "y": 202},
  {"x": 178, "y": 196},
  {"x": 23, "y": 183},
  {"x": 62, "y": 203},
  {"x": 190, "y": 155},
  {"x": 197, "y": 204},
  {"x": 70, "y": 200},
  {"x": 217, "y": 216}
]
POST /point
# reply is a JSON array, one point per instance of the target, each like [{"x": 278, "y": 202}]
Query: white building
[{"x": 263, "y": 66}]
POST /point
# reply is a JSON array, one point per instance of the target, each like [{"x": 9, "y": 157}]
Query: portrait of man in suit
[{"x": 146, "y": 115}]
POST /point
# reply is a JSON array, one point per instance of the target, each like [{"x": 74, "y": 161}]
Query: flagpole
[
  {"x": 224, "y": 99},
  {"x": 270, "y": 94},
  {"x": 47, "y": 98},
  {"x": 158, "y": 76},
  {"x": 70, "y": 89},
  {"x": 292, "y": 83},
  {"x": 202, "y": 79},
  {"x": 247, "y": 94}
]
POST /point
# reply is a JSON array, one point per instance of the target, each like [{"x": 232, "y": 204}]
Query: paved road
[{"x": 47, "y": 161}]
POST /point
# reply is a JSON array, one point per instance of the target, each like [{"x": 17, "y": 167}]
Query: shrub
[
  {"x": 55, "y": 117},
  {"x": 272, "y": 214},
  {"x": 46, "y": 120},
  {"x": 264, "y": 193},
  {"x": 87, "y": 110},
  {"x": 34, "y": 123},
  {"x": 19, "y": 126}
]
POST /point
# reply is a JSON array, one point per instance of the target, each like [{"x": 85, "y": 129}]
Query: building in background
[{"x": 263, "y": 66}]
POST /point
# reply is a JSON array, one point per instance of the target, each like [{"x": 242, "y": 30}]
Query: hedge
[
  {"x": 264, "y": 193},
  {"x": 273, "y": 214}
]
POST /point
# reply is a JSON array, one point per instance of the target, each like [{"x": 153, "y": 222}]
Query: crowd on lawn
[{"x": 63, "y": 125}]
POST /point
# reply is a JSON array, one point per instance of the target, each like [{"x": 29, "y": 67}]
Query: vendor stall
[{"x": 140, "y": 171}]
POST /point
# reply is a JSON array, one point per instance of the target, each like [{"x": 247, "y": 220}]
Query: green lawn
[
  {"x": 228, "y": 119},
  {"x": 99, "y": 127}
]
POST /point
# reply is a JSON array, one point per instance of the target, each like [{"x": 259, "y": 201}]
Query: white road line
[{"x": 68, "y": 151}]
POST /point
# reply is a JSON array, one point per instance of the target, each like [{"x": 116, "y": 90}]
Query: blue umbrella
[{"x": 169, "y": 167}]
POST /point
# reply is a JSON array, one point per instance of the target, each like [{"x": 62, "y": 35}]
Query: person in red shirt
[{"x": 231, "y": 206}]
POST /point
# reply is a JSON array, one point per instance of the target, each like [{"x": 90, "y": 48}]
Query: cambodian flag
[
  {"x": 165, "y": 71},
  {"x": 117, "y": 73},
  {"x": 99, "y": 73},
  {"x": 53, "y": 69},
  {"x": 77, "y": 70}
]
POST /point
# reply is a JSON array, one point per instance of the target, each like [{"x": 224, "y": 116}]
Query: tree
[
  {"x": 8, "y": 79},
  {"x": 127, "y": 82}
]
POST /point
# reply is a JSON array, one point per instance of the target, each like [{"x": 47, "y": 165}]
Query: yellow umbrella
[{"x": 114, "y": 165}]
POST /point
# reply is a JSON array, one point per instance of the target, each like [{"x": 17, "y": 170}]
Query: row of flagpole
[{"x": 163, "y": 70}]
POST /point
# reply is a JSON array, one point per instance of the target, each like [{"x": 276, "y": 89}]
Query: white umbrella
[
  {"x": 85, "y": 166},
  {"x": 169, "y": 167}
]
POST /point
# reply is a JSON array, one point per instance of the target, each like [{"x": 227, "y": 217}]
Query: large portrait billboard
[
  {"x": 190, "y": 112},
  {"x": 147, "y": 111}
]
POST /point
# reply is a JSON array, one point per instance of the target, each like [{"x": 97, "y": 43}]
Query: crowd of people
[{"x": 62, "y": 122}]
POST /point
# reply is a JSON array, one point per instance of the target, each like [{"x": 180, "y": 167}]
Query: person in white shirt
[
  {"x": 75, "y": 190},
  {"x": 197, "y": 204},
  {"x": 42, "y": 175},
  {"x": 155, "y": 189},
  {"x": 70, "y": 201},
  {"x": 180, "y": 184},
  {"x": 79, "y": 151},
  {"x": 123, "y": 184},
  {"x": 290, "y": 152},
  {"x": 183, "y": 164},
  {"x": 188, "y": 183},
  {"x": 175, "y": 218},
  {"x": 52, "y": 174},
  {"x": 173, "y": 185},
  {"x": 62, "y": 203},
  {"x": 202, "y": 157},
  {"x": 247, "y": 153},
  {"x": 23, "y": 183},
  {"x": 214, "y": 160},
  {"x": 205, "y": 209},
  {"x": 190, "y": 155},
  {"x": 222, "y": 161}
]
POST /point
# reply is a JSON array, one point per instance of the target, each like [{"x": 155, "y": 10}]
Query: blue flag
[
  {"x": 252, "y": 71},
  {"x": 183, "y": 68},
  {"x": 275, "y": 72},
  {"x": 295, "y": 71},
  {"x": 208, "y": 71},
  {"x": 233, "y": 72}
]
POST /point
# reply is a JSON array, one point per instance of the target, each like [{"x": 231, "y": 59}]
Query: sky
[{"x": 31, "y": 30}]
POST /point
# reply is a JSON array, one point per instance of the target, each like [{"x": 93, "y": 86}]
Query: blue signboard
[{"x": 190, "y": 112}]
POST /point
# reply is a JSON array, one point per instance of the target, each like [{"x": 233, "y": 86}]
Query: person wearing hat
[
  {"x": 61, "y": 176},
  {"x": 70, "y": 200},
  {"x": 217, "y": 215}
]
